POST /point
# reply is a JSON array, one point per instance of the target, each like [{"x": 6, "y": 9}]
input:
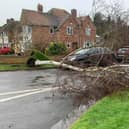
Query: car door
[{"x": 93, "y": 56}]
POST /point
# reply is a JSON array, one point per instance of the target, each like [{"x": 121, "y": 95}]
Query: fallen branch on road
[
  {"x": 95, "y": 82},
  {"x": 60, "y": 64}
]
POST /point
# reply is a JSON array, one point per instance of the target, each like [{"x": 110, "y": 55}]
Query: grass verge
[
  {"x": 112, "y": 112},
  {"x": 14, "y": 67}
]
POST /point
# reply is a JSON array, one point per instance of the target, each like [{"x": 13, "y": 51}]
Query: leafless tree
[{"x": 117, "y": 33}]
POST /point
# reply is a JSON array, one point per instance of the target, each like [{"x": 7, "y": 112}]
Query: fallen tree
[
  {"x": 91, "y": 83},
  {"x": 95, "y": 83}
]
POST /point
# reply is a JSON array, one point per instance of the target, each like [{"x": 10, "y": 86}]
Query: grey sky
[{"x": 12, "y": 8}]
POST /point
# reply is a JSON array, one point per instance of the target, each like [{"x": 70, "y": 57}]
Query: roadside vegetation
[
  {"x": 56, "y": 48},
  {"x": 11, "y": 63},
  {"x": 112, "y": 112},
  {"x": 15, "y": 67},
  {"x": 28, "y": 62}
]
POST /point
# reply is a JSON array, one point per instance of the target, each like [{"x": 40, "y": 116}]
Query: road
[{"x": 27, "y": 101}]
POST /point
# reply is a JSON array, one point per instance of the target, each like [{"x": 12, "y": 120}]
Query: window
[
  {"x": 52, "y": 31},
  {"x": 69, "y": 30},
  {"x": 69, "y": 44},
  {"x": 87, "y": 44},
  {"x": 88, "y": 31},
  {"x": 27, "y": 29}
]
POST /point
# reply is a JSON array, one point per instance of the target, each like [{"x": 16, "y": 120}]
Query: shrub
[
  {"x": 36, "y": 55},
  {"x": 56, "y": 48}
]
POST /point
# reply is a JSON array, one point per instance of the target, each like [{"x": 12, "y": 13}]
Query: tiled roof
[
  {"x": 58, "y": 12},
  {"x": 11, "y": 26},
  {"x": 54, "y": 17},
  {"x": 83, "y": 18}
]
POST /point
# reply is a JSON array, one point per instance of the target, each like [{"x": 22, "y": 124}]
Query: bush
[
  {"x": 36, "y": 55},
  {"x": 56, "y": 48}
]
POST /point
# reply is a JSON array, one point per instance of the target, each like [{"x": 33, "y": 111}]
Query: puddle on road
[
  {"x": 42, "y": 81},
  {"x": 37, "y": 78},
  {"x": 44, "y": 85}
]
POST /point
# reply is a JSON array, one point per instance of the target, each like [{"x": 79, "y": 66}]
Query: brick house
[
  {"x": 4, "y": 42},
  {"x": 40, "y": 28},
  {"x": 10, "y": 35}
]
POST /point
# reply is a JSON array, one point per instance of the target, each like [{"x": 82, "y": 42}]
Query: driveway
[{"x": 27, "y": 101}]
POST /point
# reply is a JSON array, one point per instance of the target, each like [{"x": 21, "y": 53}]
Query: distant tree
[
  {"x": 112, "y": 24},
  {"x": 100, "y": 23}
]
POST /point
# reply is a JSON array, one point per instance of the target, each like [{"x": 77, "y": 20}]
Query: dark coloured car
[
  {"x": 123, "y": 54},
  {"x": 96, "y": 56}
]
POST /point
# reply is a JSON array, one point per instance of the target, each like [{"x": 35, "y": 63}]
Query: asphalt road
[{"x": 27, "y": 101}]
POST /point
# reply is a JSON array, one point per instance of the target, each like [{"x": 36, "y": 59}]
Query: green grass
[
  {"x": 109, "y": 113},
  {"x": 14, "y": 67}
]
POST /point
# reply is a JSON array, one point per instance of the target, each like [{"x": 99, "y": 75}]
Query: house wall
[
  {"x": 87, "y": 23},
  {"x": 4, "y": 42},
  {"x": 41, "y": 36},
  {"x": 26, "y": 38},
  {"x": 69, "y": 40}
]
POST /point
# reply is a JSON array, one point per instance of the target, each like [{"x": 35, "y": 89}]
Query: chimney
[
  {"x": 74, "y": 12},
  {"x": 40, "y": 8},
  {"x": 11, "y": 20}
]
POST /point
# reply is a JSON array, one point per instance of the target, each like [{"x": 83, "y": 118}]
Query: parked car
[
  {"x": 5, "y": 50},
  {"x": 96, "y": 56},
  {"x": 123, "y": 54}
]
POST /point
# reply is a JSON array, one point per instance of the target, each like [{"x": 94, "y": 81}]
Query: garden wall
[{"x": 13, "y": 59}]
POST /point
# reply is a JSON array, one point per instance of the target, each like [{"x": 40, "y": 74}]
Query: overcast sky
[{"x": 12, "y": 8}]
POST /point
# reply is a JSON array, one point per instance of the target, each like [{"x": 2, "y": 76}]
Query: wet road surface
[{"x": 26, "y": 104}]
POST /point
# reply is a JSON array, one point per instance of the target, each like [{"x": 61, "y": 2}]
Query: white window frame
[
  {"x": 27, "y": 29},
  {"x": 88, "y": 31},
  {"x": 69, "y": 30}
]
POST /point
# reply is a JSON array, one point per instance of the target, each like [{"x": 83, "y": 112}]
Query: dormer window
[
  {"x": 88, "y": 31},
  {"x": 69, "y": 30}
]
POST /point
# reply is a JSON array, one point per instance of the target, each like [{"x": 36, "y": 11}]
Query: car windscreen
[
  {"x": 88, "y": 51},
  {"x": 81, "y": 52}
]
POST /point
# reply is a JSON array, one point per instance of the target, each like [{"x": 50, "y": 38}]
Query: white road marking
[
  {"x": 18, "y": 92},
  {"x": 27, "y": 94}
]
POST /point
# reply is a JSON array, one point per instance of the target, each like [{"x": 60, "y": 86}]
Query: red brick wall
[
  {"x": 13, "y": 59},
  {"x": 62, "y": 34},
  {"x": 88, "y": 23},
  {"x": 42, "y": 36}
]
